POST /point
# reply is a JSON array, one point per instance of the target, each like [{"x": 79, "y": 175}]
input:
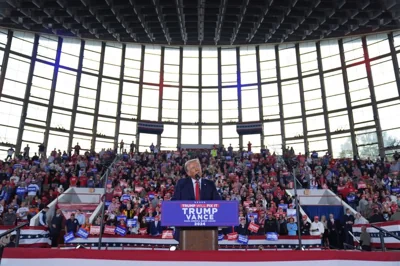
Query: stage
[{"x": 50, "y": 257}]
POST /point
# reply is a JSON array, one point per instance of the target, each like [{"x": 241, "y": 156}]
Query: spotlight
[
  {"x": 80, "y": 247},
  {"x": 172, "y": 248}
]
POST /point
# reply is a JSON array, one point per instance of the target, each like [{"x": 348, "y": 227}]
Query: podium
[
  {"x": 198, "y": 238},
  {"x": 197, "y": 222}
]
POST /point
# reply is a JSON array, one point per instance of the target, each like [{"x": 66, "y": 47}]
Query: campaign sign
[
  {"x": 200, "y": 213},
  {"x": 220, "y": 237},
  {"x": 283, "y": 206},
  {"x": 82, "y": 233},
  {"x": 95, "y": 230},
  {"x": 109, "y": 230},
  {"x": 131, "y": 222},
  {"x": 396, "y": 190},
  {"x": 272, "y": 236},
  {"x": 254, "y": 214},
  {"x": 149, "y": 219},
  {"x": 121, "y": 217},
  {"x": 69, "y": 237},
  {"x": 120, "y": 231},
  {"x": 167, "y": 234},
  {"x": 243, "y": 239}
]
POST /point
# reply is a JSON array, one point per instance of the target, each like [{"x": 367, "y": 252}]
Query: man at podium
[{"x": 194, "y": 187}]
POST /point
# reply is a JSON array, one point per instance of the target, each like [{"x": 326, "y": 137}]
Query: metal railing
[
  {"x": 382, "y": 233},
  {"x": 7, "y": 233}
]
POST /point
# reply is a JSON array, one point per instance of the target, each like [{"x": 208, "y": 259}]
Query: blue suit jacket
[
  {"x": 155, "y": 230},
  {"x": 184, "y": 190}
]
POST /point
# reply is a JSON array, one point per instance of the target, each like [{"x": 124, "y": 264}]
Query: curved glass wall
[{"x": 340, "y": 96}]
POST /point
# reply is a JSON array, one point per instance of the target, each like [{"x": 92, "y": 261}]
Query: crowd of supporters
[{"x": 139, "y": 182}]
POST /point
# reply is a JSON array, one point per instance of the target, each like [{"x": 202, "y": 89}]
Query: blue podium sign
[{"x": 200, "y": 213}]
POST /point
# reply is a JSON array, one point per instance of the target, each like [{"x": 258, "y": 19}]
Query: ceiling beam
[
  {"x": 220, "y": 20},
  {"x": 260, "y": 19},
  {"x": 162, "y": 21},
  {"x": 142, "y": 20},
  {"x": 181, "y": 17},
  {"x": 200, "y": 24},
  {"x": 243, "y": 10}
]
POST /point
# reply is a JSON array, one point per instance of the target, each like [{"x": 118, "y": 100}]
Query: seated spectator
[
  {"x": 360, "y": 220},
  {"x": 376, "y": 217},
  {"x": 86, "y": 225}
]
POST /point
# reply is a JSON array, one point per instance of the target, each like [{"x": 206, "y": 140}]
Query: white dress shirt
[
  {"x": 194, "y": 186},
  {"x": 317, "y": 229}
]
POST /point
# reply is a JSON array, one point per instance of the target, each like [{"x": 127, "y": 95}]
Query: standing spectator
[
  {"x": 155, "y": 227},
  {"x": 152, "y": 148},
  {"x": 317, "y": 228},
  {"x": 291, "y": 227},
  {"x": 360, "y": 220},
  {"x": 26, "y": 151},
  {"x": 42, "y": 153},
  {"x": 365, "y": 239},
  {"x": 43, "y": 217},
  {"x": 80, "y": 216},
  {"x": 55, "y": 228},
  {"x": 77, "y": 148},
  {"x": 305, "y": 226},
  {"x": 22, "y": 212},
  {"x": 249, "y": 146},
  {"x": 33, "y": 189},
  {"x": 121, "y": 146},
  {"x": 132, "y": 147},
  {"x": 348, "y": 227},
  {"x": 71, "y": 225},
  {"x": 325, "y": 240},
  {"x": 10, "y": 217},
  {"x": 333, "y": 231},
  {"x": 271, "y": 225},
  {"x": 10, "y": 153},
  {"x": 241, "y": 229}
]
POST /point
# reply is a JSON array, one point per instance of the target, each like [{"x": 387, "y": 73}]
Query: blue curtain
[{"x": 315, "y": 210}]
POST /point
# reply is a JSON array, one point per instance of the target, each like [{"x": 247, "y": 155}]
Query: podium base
[{"x": 198, "y": 238}]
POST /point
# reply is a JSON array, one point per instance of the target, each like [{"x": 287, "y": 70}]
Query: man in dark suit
[
  {"x": 55, "y": 228},
  {"x": 194, "y": 187},
  {"x": 334, "y": 231},
  {"x": 155, "y": 227},
  {"x": 348, "y": 227}
]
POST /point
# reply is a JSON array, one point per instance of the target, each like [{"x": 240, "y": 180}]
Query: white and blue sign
[
  {"x": 255, "y": 215},
  {"x": 126, "y": 197},
  {"x": 220, "y": 237},
  {"x": 68, "y": 237},
  {"x": 121, "y": 217},
  {"x": 151, "y": 196},
  {"x": 131, "y": 222},
  {"x": 272, "y": 236},
  {"x": 283, "y": 206},
  {"x": 120, "y": 231},
  {"x": 396, "y": 190},
  {"x": 82, "y": 233},
  {"x": 243, "y": 239},
  {"x": 149, "y": 219},
  {"x": 200, "y": 213},
  {"x": 15, "y": 166}
]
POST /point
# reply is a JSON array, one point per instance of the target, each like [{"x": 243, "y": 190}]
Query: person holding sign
[{"x": 195, "y": 187}]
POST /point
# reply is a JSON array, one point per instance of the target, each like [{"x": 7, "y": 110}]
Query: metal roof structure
[{"x": 202, "y": 22}]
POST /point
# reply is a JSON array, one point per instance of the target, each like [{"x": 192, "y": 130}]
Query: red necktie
[{"x": 197, "y": 190}]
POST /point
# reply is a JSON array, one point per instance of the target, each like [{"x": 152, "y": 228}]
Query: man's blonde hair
[{"x": 190, "y": 162}]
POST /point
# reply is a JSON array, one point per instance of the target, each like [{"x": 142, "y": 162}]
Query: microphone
[{"x": 197, "y": 177}]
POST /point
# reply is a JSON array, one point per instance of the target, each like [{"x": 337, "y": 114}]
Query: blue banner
[
  {"x": 121, "y": 217},
  {"x": 243, "y": 239},
  {"x": 126, "y": 197},
  {"x": 131, "y": 222},
  {"x": 15, "y": 166},
  {"x": 200, "y": 213},
  {"x": 69, "y": 237},
  {"x": 283, "y": 206},
  {"x": 272, "y": 236},
  {"x": 395, "y": 189},
  {"x": 120, "y": 231},
  {"x": 82, "y": 233},
  {"x": 149, "y": 219},
  {"x": 151, "y": 196},
  {"x": 220, "y": 237}
]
